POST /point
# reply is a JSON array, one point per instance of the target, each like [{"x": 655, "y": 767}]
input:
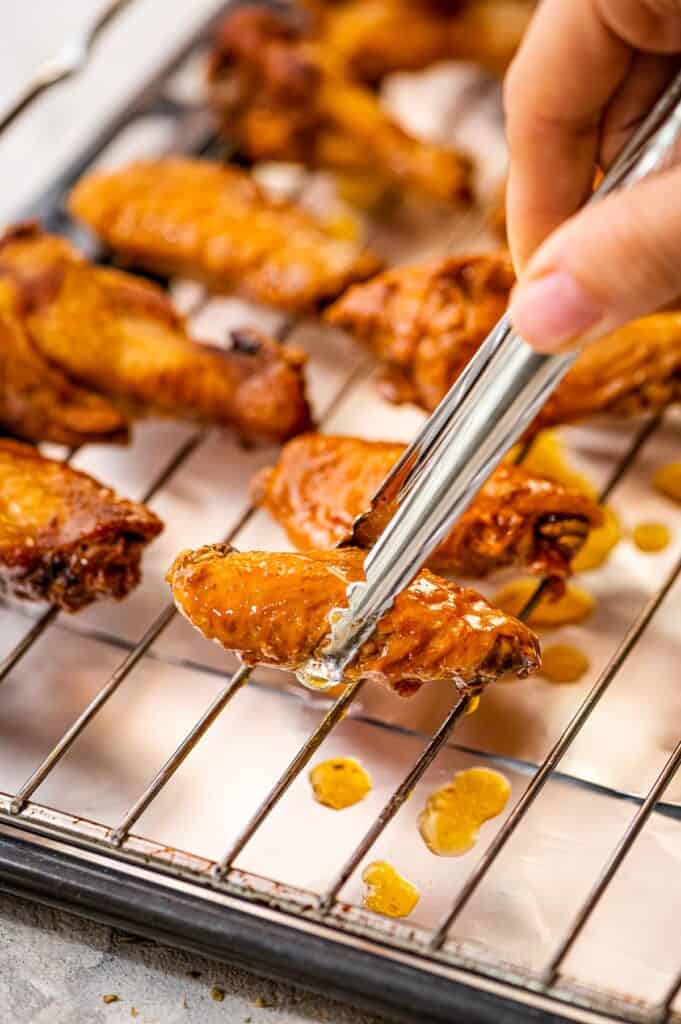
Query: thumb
[{"x": 610, "y": 263}]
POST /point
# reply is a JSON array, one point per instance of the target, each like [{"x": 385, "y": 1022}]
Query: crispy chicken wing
[
  {"x": 215, "y": 224},
  {"x": 426, "y": 322},
  {"x": 283, "y": 96},
  {"x": 120, "y": 335},
  {"x": 37, "y": 401},
  {"x": 65, "y": 538},
  {"x": 273, "y": 608},
  {"x": 375, "y": 37},
  {"x": 322, "y": 483}
]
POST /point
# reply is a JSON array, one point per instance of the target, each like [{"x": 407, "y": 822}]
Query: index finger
[{"x": 568, "y": 68}]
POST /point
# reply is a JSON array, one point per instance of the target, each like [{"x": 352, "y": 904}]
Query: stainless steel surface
[
  {"x": 101, "y": 700},
  {"x": 68, "y": 60},
  {"x": 485, "y": 412}
]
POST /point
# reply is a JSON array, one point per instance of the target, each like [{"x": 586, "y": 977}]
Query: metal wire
[
  {"x": 553, "y": 758},
  {"x": 618, "y": 854}
]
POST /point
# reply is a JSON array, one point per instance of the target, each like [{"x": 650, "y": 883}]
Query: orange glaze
[
  {"x": 387, "y": 892},
  {"x": 562, "y": 663},
  {"x": 451, "y": 819},
  {"x": 651, "y": 537},
  {"x": 339, "y": 782},
  {"x": 667, "y": 479},
  {"x": 273, "y": 608},
  {"x": 322, "y": 483},
  {"x": 574, "y": 605}
]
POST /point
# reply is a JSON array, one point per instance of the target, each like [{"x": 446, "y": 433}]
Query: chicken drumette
[
  {"x": 216, "y": 224},
  {"x": 283, "y": 95},
  {"x": 322, "y": 483},
  {"x": 425, "y": 323},
  {"x": 64, "y": 537},
  {"x": 120, "y": 336},
  {"x": 273, "y": 608}
]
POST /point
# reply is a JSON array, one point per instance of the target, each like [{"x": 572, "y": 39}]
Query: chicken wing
[
  {"x": 120, "y": 335},
  {"x": 37, "y": 401},
  {"x": 273, "y": 608},
  {"x": 65, "y": 538},
  {"x": 283, "y": 96},
  {"x": 376, "y": 37},
  {"x": 214, "y": 223},
  {"x": 322, "y": 483},
  {"x": 426, "y": 322}
]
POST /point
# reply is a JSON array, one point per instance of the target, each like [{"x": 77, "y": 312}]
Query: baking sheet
[{"x": 529, "y": 898}]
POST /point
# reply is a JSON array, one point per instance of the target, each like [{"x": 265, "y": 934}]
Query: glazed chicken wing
[
  {"x": 37, "y": 401},
  {"x": 273, "y": 608},
  {"x": 120, "y": 335},
  {"x": 282, "y": 96},
  {"x": 321, "y": 484},
  {"x": 65, "y": 538},
  {"x": 426, "y": 322},
  {"x": 375, "y": 37},
  {"x": 215, "y": 224}
]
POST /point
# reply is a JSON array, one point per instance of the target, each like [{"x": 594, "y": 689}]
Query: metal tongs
[{"x": 485, "y": 412}]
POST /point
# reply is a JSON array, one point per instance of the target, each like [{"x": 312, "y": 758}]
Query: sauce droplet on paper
[
  {"x": 387, "y": 892},
  {"x": 599, "y": 543},
  {"x": 562, "y": 663},
  {"x": 574, "y": 605},
  {"x": 667, "y": 479},
  {"x": 450, "y": 821},
  {"x": 651, "y": 536},
  {"x": 339, "y": 782},
  {"x": 548, "y": 458},
  {"x": 472, "y": 705}
]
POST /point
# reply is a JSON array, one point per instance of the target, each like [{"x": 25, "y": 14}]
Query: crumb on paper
[
  {"x": 217, "y": 993},
  {"x": 134, "y": 1012},
  {"x": 110, "y": 999},
  {"x": 261, "y": 1003},
  {"x": 194, "y": 974}
]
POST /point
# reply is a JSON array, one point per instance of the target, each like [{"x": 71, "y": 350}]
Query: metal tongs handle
[
  {"x": 65, "y": 63},
  {"x": 485, "y": 412}
]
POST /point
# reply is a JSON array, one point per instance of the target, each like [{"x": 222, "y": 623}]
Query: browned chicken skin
[
  {"x": 120, "y": 336},
  {"x": 375, "y": 37},
  {"x": 273, "y": 608},
  {"x": 37, "y": 401},
  {"x": 322, "y": 483},
  {"x": 65, "y": 538},
  {"x": 426, "y": 322},
  {"x": 215, "y": 224},
  {"x": 283, "y": 96}
]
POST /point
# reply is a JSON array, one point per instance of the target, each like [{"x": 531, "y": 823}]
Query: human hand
[{"x": 587, "y": 73}]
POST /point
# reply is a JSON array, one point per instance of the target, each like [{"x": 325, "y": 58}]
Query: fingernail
[{"x": 553, "y": 310}]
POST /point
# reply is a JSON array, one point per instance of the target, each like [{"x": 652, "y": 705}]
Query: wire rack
[{"x": 107, "y": 870}]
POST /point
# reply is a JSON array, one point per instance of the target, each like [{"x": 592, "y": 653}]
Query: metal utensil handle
[
  {"x": 67, "y": 62},
  {"x": 487, "y": 409}
]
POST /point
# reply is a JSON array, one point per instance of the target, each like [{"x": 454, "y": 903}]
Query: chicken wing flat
[
  {"x": 121, "y": 336},
  {"x": 321, "y": 484},
  {"x": 426, "y": 322},
  {"x": 273, "y": 608},
  {"x": 376, "y": 37},
  {"x": 215, "y": 224},
  {"x": 65, "y": 538},
  {"x": 37, "y": 401},
  {"x": 283, "y": 96}
]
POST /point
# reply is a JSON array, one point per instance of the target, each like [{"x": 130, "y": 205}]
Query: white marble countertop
[{"x": 53, "y": 967}]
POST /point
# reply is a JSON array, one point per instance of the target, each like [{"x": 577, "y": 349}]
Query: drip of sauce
[
  {"x": 450, "y": 821},
  {"x": 547, "y": 457},
  {"x": 651, "y": 537},
  {"x": 340, "y": 782},
  {"x": 574, "y": 605},
  {"x": 562, "y": 663},
  {"x": 667, "y": 479},
  {"x": 599, "y": 543},
  {"x": 387, "y": 892},
  {"x": 472, "y": 705}
]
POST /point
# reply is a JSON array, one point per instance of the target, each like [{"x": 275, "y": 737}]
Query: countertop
[{"x": 54, "y": 967}]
